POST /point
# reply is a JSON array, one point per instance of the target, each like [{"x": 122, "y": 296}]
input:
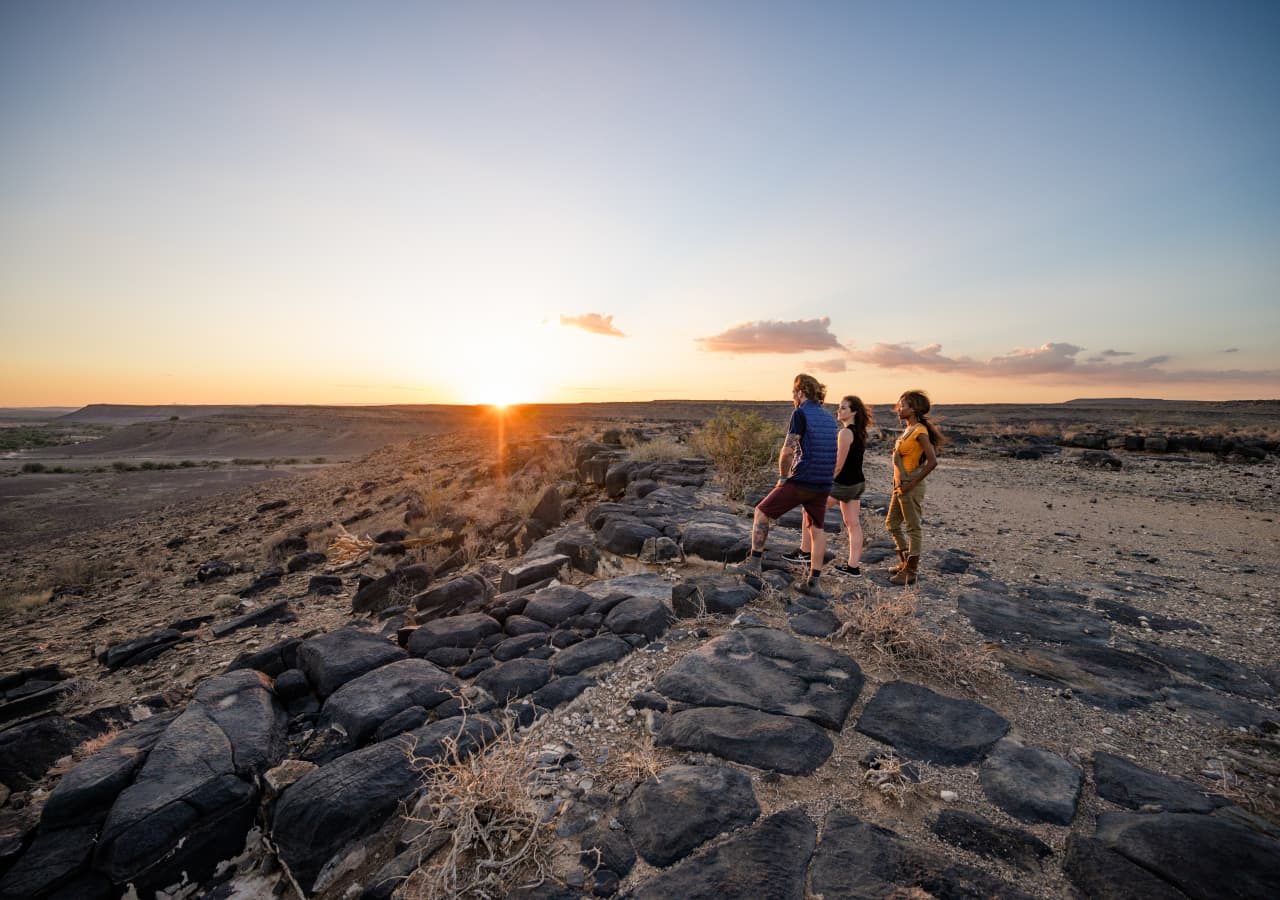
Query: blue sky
[{"x": 400, "y": 202}]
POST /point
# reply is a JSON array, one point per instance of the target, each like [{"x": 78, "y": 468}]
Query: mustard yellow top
[{"x": 907, "y": 452}]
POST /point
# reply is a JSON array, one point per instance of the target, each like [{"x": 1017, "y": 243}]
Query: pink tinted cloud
[
  {"x": 838, "y": 364},
  {"x": 1053, "y": 361},
  {"x": 594, "y": 323},
  {"x": 773, "y": 337}
]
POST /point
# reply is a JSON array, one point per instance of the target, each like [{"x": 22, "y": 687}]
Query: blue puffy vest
[{"x": 817, "y": 447}]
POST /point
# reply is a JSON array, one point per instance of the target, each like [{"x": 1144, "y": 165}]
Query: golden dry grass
[
  {"x": 483, "y": 820},
  {"x": 884, "y": 628}
]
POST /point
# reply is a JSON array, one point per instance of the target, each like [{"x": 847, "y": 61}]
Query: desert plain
[{"x": 1100, "y": 575}]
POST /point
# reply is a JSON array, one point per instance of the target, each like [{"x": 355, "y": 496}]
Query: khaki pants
[{"x": 903, "y": 521}]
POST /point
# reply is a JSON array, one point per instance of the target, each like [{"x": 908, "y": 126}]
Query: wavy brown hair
[
  {"x": 811, "y": 388},
  {"x": 863, "y": 418}
]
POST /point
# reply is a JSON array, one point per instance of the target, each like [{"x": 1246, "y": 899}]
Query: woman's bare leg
[{"x": 851, "y": 512}]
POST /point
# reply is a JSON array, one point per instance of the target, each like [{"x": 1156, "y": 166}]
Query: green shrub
[
  {"x": 33, "y": 467},
  {"x": 742, "y": 446}
]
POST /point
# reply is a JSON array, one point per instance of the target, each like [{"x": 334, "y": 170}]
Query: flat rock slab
[
  {"x": 1103, "y": 874},
  {"x": 141, "y": 649},
  {"x": 1007, "y": 618},
  {"x": 710, "y": 594},
  {"x": 194, "y": 798},
  {"x": 685, "y": 806},
  {"x": 451, "y": 596},
  {"x": 765, "y": 862},
  {"x": 1126, "y": 784},
  {"x": 645, "y": 585},
  {"x": 718, "y": 540},
  {"x": 814, "y": 622},
  {"x": 361, "y": 705},
  {"x": 552, "y": 605},
  {"x": 1031, "y": 784},
  {"x": 770, "y": 671},
  {"x": 1203, "y": 856},
  {"x": 455, "y": 631},
  {"x": 1110, "y": 678},
  {"x": 648, "y": 616},
  {"x": 509, "y": 680},
  {"x": 1222, "y": 674},
  {"x": 1217, "y": 708},
  {"x": 856, "y": 859},
  {"x": 591, "y": 652},
  {"x": 533, "y": 570},
  {"x": 331, "y": 660},
  {"x": 786, "y": 744},
  {"x": 1125, "y": 614},
  {"x": 328, "y": 808},
  {"x": 977, "y": 835},
  {"x": 923, "y": 725}
]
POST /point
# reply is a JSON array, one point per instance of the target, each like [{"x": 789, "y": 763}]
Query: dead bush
[
  {"x": 887, "y": 776},
  {"x": 483, "y": 819},
  {"x": 886, "y": 627},
  {"x": 741, "y": 446}
]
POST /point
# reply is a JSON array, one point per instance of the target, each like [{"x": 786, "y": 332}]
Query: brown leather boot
[
  {"x": 908, "y": 573},
  {"x": 902, "y": 562}
]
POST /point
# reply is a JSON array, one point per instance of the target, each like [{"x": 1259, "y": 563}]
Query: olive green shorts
[{"x": 847, "y": 492}]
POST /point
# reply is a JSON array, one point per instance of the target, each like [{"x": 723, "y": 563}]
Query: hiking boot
[
  {"x": 811, "y": 588},
  {"x": 902, "y": 562},
  {"x": 749, "y": 566},
  {"x": 908, "y": 573},
  {"x": 796, "y": 556}
]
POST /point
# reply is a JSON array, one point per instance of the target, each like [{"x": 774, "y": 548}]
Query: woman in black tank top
[
  {"x": 849, "y": 481},
  {"x": 851, "y": 445}
]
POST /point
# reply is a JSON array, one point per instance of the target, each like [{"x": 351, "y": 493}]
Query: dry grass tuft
[
  {"x": 887, "y": 627},
  {"x": 16, "y": 601},
  {"x": 662, "y": 449},
  {"x": 484, "y": 821}
]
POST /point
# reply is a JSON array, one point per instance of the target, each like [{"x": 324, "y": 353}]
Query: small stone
[{"x": 949, "y": 796}]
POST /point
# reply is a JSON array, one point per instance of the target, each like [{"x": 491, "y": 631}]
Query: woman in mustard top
[{"x": 914, "y": 457}]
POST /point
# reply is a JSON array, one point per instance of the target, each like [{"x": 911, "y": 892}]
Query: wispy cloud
[
  {"x": 1054, "y": 361},
  {"x": 773, "y": 337},
  {"x": 594, "y": 323},
  {"x": 1232, "y": 350},
  {"x": 839, "y": 364}
]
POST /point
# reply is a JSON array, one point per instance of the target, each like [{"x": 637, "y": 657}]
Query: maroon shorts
[{"x": 787, "y": 496}]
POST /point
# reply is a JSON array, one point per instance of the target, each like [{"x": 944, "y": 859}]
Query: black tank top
[{"x": 851, "y": 472}]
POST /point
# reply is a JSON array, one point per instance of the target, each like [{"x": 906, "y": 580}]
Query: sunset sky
[{"x": 416, "y": 202}]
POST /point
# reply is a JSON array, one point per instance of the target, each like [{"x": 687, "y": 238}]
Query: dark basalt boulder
[
  {"x": 786, "y": 744},
  {"x": 319, "y": 815},
  {"x": 141, "y": 649},
  {"x": 455, "y": 631},
  {"x": 858, "y": 859},
  {"x": 669, "y": 816},
  {"x": 768, "y": 670},
  {"x": 766, "y": 861},
  {"x": 552, "y": 605},
  {"x": 977, "y": 835},
  {"x": 195, "y": 796},
  {"x": 1199, "y": 855},
  {"x": 363, "y": 704},
  {"x": 1031, "y": 784},
  {"x": 1126, "y": 784},
  {"x": 28, "y": 750},
  {"x": 382, "y": 592},
  {"x": 923, "y": 725},
  {"x": 86, "y": 792},
  {"x": 639, "y": 615},
  {"x": 452, "y": 596},
  {"x": 509, "y": 680},
  {"x": 331, "y": 660},
  {"x": 591, "y": 652},
  {"x": 532, "y": 571}
]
